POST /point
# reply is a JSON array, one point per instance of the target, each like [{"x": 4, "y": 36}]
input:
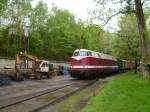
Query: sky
[{"x": 80, "y": 9}]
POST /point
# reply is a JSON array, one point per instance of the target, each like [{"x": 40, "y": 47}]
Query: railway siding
[{"x": 46, "y": 92}]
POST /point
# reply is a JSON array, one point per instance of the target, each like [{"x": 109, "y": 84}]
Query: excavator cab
[{"x": 44, "y": 66}]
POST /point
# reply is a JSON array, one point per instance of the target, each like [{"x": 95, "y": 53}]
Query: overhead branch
[
  {"x": 118, "y": 2},
  {"x": 143, "y": 2},
  {"x": 117, "y": 13}
]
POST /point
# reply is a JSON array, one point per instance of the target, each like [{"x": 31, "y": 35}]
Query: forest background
[{"x": 54, "y": 34}]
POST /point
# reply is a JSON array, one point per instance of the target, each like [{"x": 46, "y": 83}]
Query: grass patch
[{"x": 126, "y": 93}]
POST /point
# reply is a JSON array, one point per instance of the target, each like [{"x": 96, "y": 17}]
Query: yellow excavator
[{"x": 32, "y": 67}]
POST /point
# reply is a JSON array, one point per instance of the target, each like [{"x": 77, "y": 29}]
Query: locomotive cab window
[
  {"x": 82, "y": 53},
  {"x": 89, "y": 54},
  {"x": 99, "y": 55},
  {"x": 76, "y": 54}
]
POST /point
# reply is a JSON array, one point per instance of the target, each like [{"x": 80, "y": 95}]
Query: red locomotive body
[{"x": 86, "y": 63}]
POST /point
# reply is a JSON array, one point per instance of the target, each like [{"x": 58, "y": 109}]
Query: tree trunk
[{"x": 143, "y": 36}]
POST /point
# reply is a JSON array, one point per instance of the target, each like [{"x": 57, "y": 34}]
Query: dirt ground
[
  {"x": 20, "y": 91},
  {"x": 73, "y": 103},
  {"x": 30, "y": 86}
]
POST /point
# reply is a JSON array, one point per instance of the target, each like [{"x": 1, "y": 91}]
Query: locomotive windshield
[{"x": 82, "y": 53}]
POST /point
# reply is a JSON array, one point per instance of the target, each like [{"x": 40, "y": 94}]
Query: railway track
[{"x": 40, "y": 99}]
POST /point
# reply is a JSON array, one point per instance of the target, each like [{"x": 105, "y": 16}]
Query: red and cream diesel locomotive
[{"x": 88, "y": 64}]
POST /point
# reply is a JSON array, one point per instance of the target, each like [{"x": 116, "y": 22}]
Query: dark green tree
[
  {"x": 3, "y": 5},
  {"x": 126, "y": 44}
]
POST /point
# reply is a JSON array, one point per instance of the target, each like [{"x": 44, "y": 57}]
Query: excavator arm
[
  {"x": 28, "y": 56},
  {"x": 22, "y": 57}
]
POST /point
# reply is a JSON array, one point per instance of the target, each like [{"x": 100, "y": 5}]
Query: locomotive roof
[
  {"x": 106, "y": 56},
  {"x": 102, "y": 55},
  {"x": 82, "y": 50}
]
